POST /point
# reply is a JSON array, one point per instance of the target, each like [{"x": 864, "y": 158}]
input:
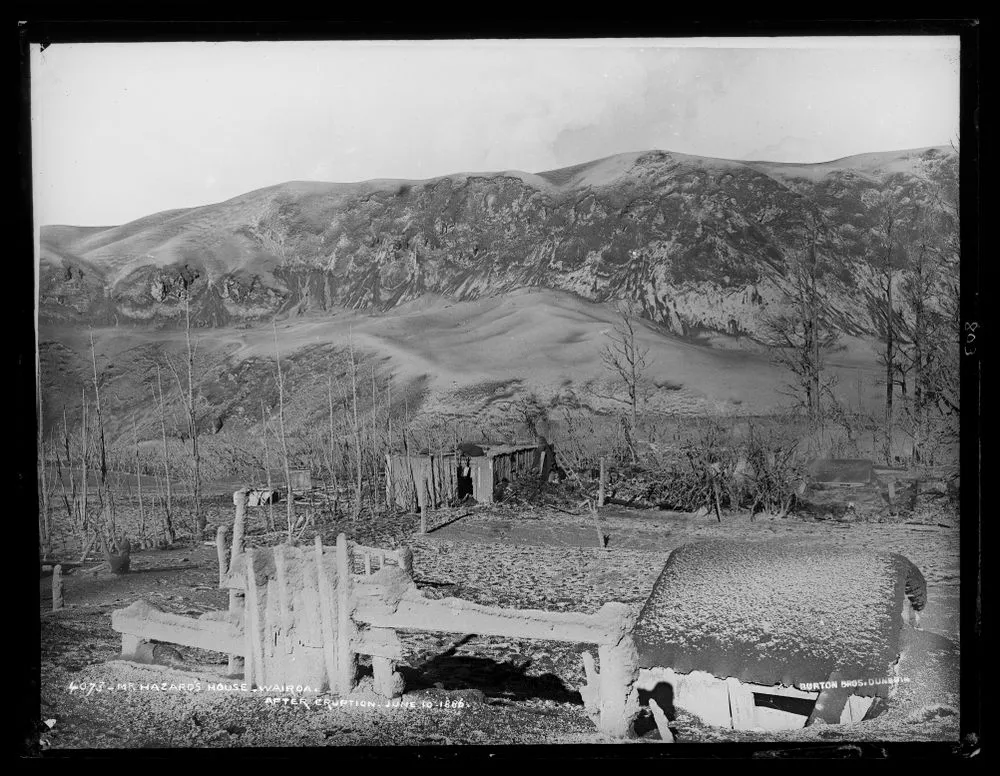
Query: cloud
[{"x": 123, "y": 130}]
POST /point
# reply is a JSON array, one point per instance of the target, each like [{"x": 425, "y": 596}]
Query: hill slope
[
  {"x": 474, "y": 359},
  {"x": 697, "y": 244}
]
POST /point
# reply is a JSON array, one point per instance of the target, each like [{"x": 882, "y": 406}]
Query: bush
[
  {"x": 719, "y": 470},
  {"x": 773, "y": 473}
]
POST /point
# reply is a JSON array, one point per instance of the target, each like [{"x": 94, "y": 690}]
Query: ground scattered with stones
[{"x": 462, "y": 688}]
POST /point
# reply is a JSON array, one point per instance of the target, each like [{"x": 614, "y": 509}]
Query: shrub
[
  {"x": 772, "y": 472},
  {"x": 717, "y": 470}
]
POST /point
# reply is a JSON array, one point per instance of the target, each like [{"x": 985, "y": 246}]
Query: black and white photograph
[{"x": 461, "y": 394}]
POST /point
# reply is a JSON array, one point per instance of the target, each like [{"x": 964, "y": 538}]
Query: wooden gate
[
  {"x": 298, "y": 627},
  {"x": 300, "y": 616}
]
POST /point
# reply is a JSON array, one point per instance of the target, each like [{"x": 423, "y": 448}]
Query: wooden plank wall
[
  {"x": 507, "y": 464},
  {"x": 481, "y": 471},
  {"x": 417, "y": 479},
  {"x": 432, "y": 479}
]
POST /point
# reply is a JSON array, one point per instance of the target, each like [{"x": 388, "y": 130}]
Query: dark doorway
[
  {"x": 464, "y": 479},
  {"x": 801, "y": 706},
  {"x": 645, "y": 725}
]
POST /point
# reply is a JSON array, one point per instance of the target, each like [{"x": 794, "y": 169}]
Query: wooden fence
[{"x": 302, "y": 615}]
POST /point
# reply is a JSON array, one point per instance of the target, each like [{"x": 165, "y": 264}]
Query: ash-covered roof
[
  {"x": 777, "y": 612},
  {"x": 473, "y": 450}
]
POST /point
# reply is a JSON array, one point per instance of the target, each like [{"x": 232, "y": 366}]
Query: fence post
[
  {"x": 237, "y": 600},
  {"x": 388, "y": 682},
  {"x": 346, "y": 659},
  {"x": 253, "y": 666},
  {"x": 405, "y": 559},
  {"x": 57, "y": 589},
  {"x": 388, "y": 480},
  {"x": 600, "y": 490},
  {"x": 619, "y": 701},
  {"x": 281, "y": 577},
  {"x": 220, "y": 548},
  {"x": 240, "y": 499},
  {"x": 432, "y": 487},
  {"x": 328, "y": 618}
]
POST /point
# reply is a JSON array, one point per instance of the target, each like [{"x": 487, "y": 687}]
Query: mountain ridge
[{"x": 694, "y": 243}]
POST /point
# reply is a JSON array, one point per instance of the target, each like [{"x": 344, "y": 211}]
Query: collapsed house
[
  {"x": 775, "y": 635},
  {"x": 479, "y": 471}
]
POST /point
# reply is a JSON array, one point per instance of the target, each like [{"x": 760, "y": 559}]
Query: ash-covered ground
[{"x": 464, "y": 688}]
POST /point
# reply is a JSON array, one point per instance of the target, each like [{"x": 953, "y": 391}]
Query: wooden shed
[{"x": 476, "y": 470}]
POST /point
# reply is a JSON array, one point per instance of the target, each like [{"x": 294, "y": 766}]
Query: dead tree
[
  {"x": 200, "y": 519},
  {"x": 84, "y": 454},
  {"x": 103, "y": 492},
  {"x": 191, "y": 408},
  {"x": 373, "y": 447},
  {"x": 886, "y": 211},
  {"x": 943, "y": 382},
  {"x": 929, "y": 319},
  {"x": 168, "y": 520},
  {"x": 627, "y": 360},
  {"x": 45, "y": 534},
  {"x": 800, "y": 335},
  {"x": 70, "y": 496},
  {"x": 290, "y": 499},
  {"x": 357, "y": 432},
  {"x": 138, "y": 480},
  {"x": 267, "y": 468},
  {"x": 332, "y": 447}
]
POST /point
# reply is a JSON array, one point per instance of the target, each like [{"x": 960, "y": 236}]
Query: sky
[{"x": 123, "y": 130}]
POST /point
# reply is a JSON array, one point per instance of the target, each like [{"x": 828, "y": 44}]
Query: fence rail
[{"x": 302, "y": 615}]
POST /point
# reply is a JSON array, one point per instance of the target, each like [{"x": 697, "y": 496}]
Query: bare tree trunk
[
  {"x": 168, "y": 516},
  {"x": 46, "y": 535},
  {"x": 71, "y": 501},
  {"x": 290, "y": 499},
  {"x": 388, "y": 412},
  {"x": 357, "y": 434},
  {"x": 624, "y": 358},
  {"x": 814, "y": 303},
  {"x": 200, "y": 519},
  {"x": 102, "y": 490},
  {"x": 919, "y": 376},
  {"x": 333, "y": 460},
  {"x": 267, "y": 468},
  {"x": 889, "y": 366},
  {"x": 100, "y": 419},
  {"x": 103, "y": 495},
  {"x": 591, "y": 504},
  {"x": 374, "y": 446},
  {"x": 83, "y": 467},
  {"x": 138, "y": 481}
]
